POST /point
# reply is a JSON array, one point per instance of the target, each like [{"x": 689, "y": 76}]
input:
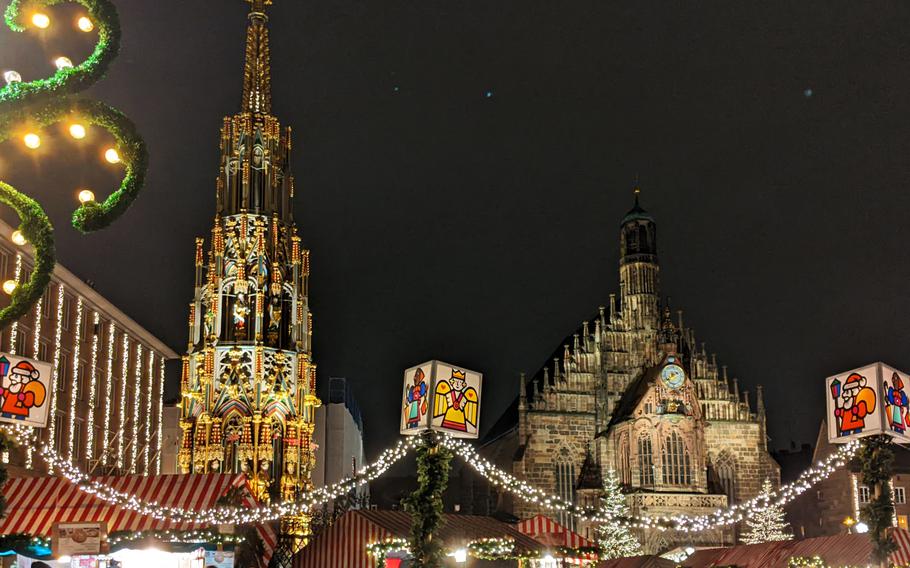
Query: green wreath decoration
[{"x": 44, "y": 102}]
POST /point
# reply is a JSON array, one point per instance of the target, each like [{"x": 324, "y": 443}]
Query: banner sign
[
  {"x": 74, "y": 539},
  {"x": 24, "y": 390},
  {"x": 868, "y": 401},
  {"x": 442, "y": 397}
]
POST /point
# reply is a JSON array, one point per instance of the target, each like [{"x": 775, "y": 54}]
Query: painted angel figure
[
  {"x": 417, "y": 399},
  {"x": 456, "y": 402}
]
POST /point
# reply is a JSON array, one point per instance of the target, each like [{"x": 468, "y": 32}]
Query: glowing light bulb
[
  {"x": 18, "y": 238},
  {"x": 860, "y": 527},
  {"x": 77, "y": 131},
  {"x": 111, "y": 156},
  {"x": 32, "y": 140},
  {"x": 12, "y": 77},
  {"x": 9, "y": 286},
  {"x": 63, "y": 62},
  {"x": 85, "y": 24},
  {"x": 86, "y": 195},
  {"x": 41, "y": 20}
]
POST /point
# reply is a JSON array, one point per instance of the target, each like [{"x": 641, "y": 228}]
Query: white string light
[
  {"x": 224, "y": 514},
  {"x": 14, "y": 329},
  {"x": 137, "y": 391},
  {"x": 74, "y": 387},
  {"x": 52, "y": 410},
  {"x": 148, "y": 413},
  {"x": 121, "y": 410},
  {"x": 160, "y": 415},
  {"x": 90, "y": 419},
  {"x": 108, "y": 387},
  {"x": 36, "y": 347}
]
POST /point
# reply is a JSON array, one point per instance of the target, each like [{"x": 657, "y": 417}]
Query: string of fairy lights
[
  {"x": 497, "y": 476},
  {"x": 93, "y": 385},
  {"x": 75, "y": 385}
]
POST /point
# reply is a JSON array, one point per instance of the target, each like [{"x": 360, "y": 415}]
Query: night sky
[{"x": 462, "y": 168}]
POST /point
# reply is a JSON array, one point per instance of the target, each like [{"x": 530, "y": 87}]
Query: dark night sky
[{"x": 770, "y": 137}]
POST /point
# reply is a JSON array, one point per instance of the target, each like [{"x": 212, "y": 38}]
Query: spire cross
[{"x": 257, "y": 7}]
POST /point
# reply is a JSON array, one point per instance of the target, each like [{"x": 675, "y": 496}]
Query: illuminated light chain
[
  {"x": 222, "y": 515},
  {"x": 721, "y": 517},
  {"x": 108, "y": 388},
  {"x": 36, "y": 346},
  {"x": 381, "y": 549},
  {"x": 121, "y": 410},
  {"x": 74, "y": 387},
  {"x": 90, "y": 420},
  {"x": 14, "y": 329},
  {"x": 160, "y": 415},
  {"x": 173, "y": 536},
  {"x": 55, "y": 376},
  {"x": 137, "y": 392},
  {"x": 148, "y": 413}
]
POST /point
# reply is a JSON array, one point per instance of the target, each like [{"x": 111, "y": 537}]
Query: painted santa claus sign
[
  {"x": 24, "y": 390},
  {"x": 868, "y": 401}
]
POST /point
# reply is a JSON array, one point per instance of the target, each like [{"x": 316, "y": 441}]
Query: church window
[
  {"x": 677, "y": 463},
  {"x": 645, "y": 461},
  {"x": 625, "y": 475},
  {"x": 725, "y": 467},
  {"x": 565, "y": 486}
]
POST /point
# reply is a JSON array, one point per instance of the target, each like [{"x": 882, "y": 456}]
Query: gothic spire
[{"x": 257, "y": 73}]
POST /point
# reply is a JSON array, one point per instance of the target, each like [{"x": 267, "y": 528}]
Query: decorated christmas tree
[
  {"x": 614, "y": 538},
  {"x": 767, "y": 524}
]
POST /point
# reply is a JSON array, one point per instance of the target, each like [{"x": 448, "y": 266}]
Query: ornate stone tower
[
  {"x": 639, "y": 276},
  {"x": 248, "y": 382}
]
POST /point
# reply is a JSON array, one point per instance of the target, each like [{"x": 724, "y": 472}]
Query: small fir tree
[
  {"x": 615, "y": 539},
  {"x": 767, "y": 524}
]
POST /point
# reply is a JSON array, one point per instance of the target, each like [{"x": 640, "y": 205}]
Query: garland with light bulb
[
  {"x": 877, "y": 459},
  {"x": 492, "y": 549},
  {"x": 182, "y": 537},
  {"x": 43, "y": 102},
  {"x": 434, "y": 460}
]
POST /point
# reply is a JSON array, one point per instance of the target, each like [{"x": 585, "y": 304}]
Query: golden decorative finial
[{"x": 257, "y": 80}]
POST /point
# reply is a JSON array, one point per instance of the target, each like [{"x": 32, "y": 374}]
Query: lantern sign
[
  {"x": 868, "y": 401},
  {"x": 24, "y": 390},
  {"x": 442, "y": 397}
]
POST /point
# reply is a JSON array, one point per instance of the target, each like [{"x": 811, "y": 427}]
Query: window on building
[
  {"x": 65, "y": 313},
  {"x": 59, "y": 434},
  {"x": 864, "y": 494},
  {"x": 63, "y": 374},
  {"x": 77, "y": 440},
  {"x": 80, "y": 381},
  {"x": 900, "y": 496},
  {"x": 625, "y": 473},
  {"x": 725, "y": 467},
  {"x": 42, "y": 351},
  {"x": 565, "y": 486},
  {"x": 21, "y": 341},
  {"x": 645, "y": 461},
  {"x": 902, "y": 522},
  {"x": 677, "y": 467},
  {"x": 46, "y": 303}
]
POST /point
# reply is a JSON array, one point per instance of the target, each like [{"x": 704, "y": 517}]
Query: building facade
[
  {"x": 338, "y": 436},
  {"x": 248, "y": 382},
  {"x": 633, "y": 391},
  {"x": 108, "y": 374},
  {"x": 824, "y": 509}
]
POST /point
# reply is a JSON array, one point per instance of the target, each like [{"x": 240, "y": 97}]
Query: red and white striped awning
[
  {"x": 901, "y": 556},
  {"x": 34, "y": 504},
  {"x": 548, "y": 531}
]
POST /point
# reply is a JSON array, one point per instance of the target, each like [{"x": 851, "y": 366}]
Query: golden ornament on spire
[{"x": 257, "y": 72}]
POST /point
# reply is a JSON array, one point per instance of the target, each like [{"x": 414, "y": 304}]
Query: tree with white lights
[
  {"x": 767, "y": 524},
  {"x": 614, "y": 538}
]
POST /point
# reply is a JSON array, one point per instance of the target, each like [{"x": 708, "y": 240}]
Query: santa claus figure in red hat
[{"x": 21, "y": 391}]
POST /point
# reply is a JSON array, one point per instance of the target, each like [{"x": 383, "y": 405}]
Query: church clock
[{"x": 673, "y": 376}]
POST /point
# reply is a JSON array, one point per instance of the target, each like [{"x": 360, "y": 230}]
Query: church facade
[{"x": 631, "y": 390}]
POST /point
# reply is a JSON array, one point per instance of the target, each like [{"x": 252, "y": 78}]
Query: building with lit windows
[{"x": 105, "y": 413}]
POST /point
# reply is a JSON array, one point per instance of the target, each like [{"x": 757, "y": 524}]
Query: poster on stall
[
  {"x": 76, "y": 539},
  {"x": 219, "y": 559}
]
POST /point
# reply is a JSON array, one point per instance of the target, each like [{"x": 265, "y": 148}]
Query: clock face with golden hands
[{"x": 673, "y": 376}]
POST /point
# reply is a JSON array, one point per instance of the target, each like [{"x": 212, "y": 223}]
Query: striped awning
[
  {"x": 548, "y": 531},
  {"x": 34, "y": 504},
  {"x": 901, "y": 556}
]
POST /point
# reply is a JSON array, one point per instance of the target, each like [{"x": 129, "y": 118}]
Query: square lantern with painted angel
[{"x": 442, "y": 397}]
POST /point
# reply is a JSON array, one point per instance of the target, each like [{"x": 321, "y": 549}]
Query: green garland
[
  {"x": 425, "y": 503},
  {"x": 44, "y": 102},
  {"x": 877, "y": 459},
  {"x": 819, "y": 562}
]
